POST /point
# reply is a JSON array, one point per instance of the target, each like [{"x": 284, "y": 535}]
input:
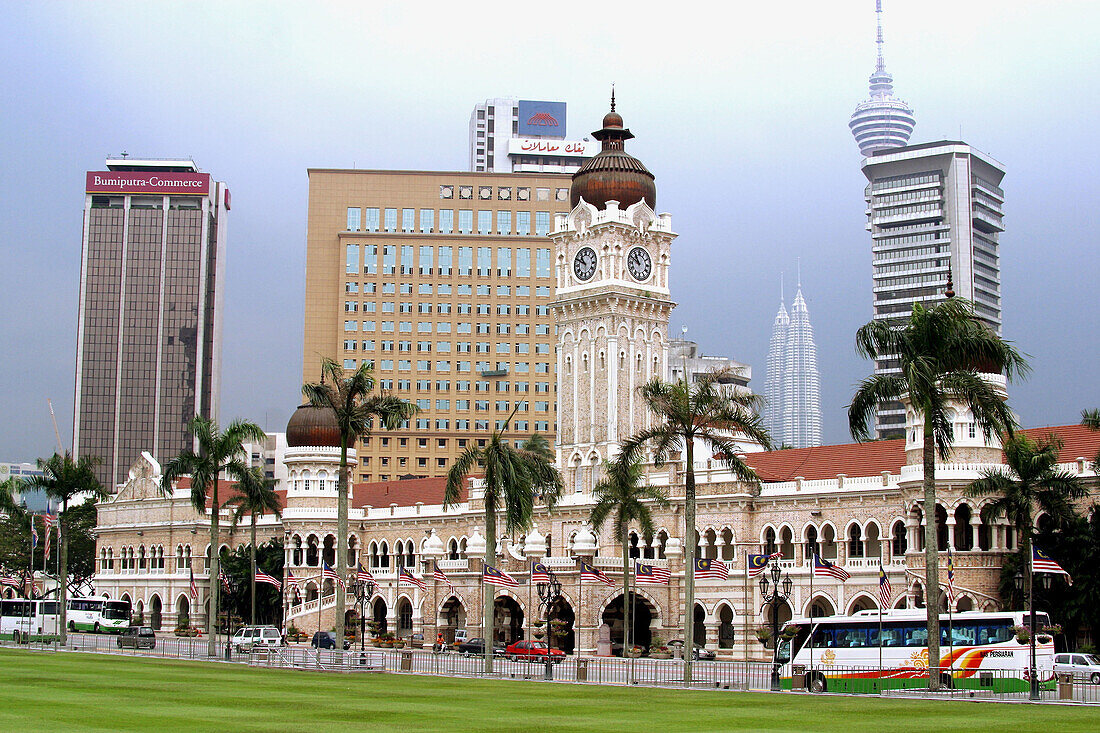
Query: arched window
[
  {"x": 855, "y": 541},
  {"x": 811, "y": 542},
  {"x": 296, "y": 551},
  {"x": 549, "y": 545},
  {"x": 329, "y": 551},
  {"x": 769, "y": 542},
  {"x": 452, "y": 549},
  {"x": 964, "y": 538},
  {"x": 899, "y": 542},
  {"x": 384, "y": 555},
  {"x": 633, "y": 545},
  {"x": 313, "y": 558}
]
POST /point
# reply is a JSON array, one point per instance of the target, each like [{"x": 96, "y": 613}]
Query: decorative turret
[
  {"x": 883, "y": 121},
  {"x": 613, "y": 174}
]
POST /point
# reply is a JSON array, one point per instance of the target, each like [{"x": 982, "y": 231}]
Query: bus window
[
  {"x": 997, "y": 633},
  {"x": 916, "y": 636}
]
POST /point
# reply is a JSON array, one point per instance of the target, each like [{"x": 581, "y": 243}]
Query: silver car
[{"x": 1081, "y": 666}]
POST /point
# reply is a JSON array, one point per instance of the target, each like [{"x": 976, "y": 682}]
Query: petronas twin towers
[{"x": 793, "y": 410}]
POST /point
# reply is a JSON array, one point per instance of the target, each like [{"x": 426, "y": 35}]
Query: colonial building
[{"x": 858, "y": 505}]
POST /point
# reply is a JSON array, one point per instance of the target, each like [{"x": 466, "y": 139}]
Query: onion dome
[
  {"x": 613, "y": 174},
  {"x": 475, "y": 545},
  {"x": 313, "y": 426}
]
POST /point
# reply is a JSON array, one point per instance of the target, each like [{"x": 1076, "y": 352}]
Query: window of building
[
  {"x": 465, "y": 221},
  {"x": 391, "y": 220},
  {"x": 523, "y": 223},
  {"x": 372, "y": 220},
  {"x": 446, "y": 221},
  {"x": 465, "y": 261},
  {"x": 389, "y": 259},
  {"x": 542, "y": 262},
  {"x": 542, "y": 223},
  {"x": 408, "y": 220},
  {"x": 484, "y": 261},
  {"x": 354, "y": 215},
  {"x": 351, "y": 259},
  {"x": 427, "y": 221},
  {"x": 504, "y": 223}
]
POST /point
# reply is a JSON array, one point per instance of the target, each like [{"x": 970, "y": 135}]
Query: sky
[{"x": 739, "y": 109}]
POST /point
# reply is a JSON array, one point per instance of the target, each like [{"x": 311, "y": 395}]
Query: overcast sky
[{"x": 741, "y": 112}]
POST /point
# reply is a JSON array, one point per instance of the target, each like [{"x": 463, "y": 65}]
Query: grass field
[{"x": 70, "y": 692}]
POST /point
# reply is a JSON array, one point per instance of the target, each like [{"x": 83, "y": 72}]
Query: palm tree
[
  {"x": 1091, "y": 420},
  {"x": 218, "y": 451},
  {"x": 621, "y": 493},
  {"x": 355, "y": 408},
  {"x": 715, "y": 418},
  {"x": 257, "y": 496},
  {"x": 514, "y": 479},
  {"x": 1030, "y": 479},
  {"x": 64, "y": 478},
  {"x": 940, "y": 351}
]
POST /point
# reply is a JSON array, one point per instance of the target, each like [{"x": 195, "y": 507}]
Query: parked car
[
  {"x": 533, "y": 651},
  {"x": 326, "y": 640},
  {"x": 249, "y": 637},
  {"x": 476, "y": 647},
  {"x": 137, "y": 637},
  {"x": 1081, "y": 666},
  {"x": 700, "y": 652}
]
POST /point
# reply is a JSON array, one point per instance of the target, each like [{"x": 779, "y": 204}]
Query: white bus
[
  {"x": 98, "y": 615},
  {"x": 20, "y": 617},
  {"x": 983, "y": 651}
]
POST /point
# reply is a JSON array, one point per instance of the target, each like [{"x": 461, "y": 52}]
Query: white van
[{"x": 248, "y": 637}]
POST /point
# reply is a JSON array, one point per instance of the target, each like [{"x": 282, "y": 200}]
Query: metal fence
[{"x": 996, "y": 684}]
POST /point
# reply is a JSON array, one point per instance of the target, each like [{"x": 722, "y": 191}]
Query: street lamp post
[
  {"x": 549, "y": 593},
  {"x": 778, "y": 594},
  {"x": 363, "y": 590},
  {"x": 1033, "y": 672}
]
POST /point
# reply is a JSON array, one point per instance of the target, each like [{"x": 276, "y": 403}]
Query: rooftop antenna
[
  {"x": 880, "y": 63},
  {"x": 125, "y": 154},
  {"x": 781, "y": 296},
  {"x": 60, "y": 448},
  {"x": 612, "y": 96},
  {"x": 799, "y": 273}
]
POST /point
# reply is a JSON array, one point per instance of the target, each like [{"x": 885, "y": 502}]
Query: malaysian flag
[
  {"x": 1044, "y": 563},
  {"x": 823, "y": 567},
  {"x": 759, "y": 563},
  {"x": 361, "y": 574},
  {"x": 711, "y": 569},
  {"x": 224, "y": 579},
  {"x": 328, "y": 572},
  {"x": 9, "y": 581},
  {"x": 540, "y": 574},
  {"x": 494, "y": 576},
  {"x": 591, "y": 574},
  {"x": 34, "y": 532},
  {"x": 950, "y": 575},
  {"x": 405, "y": 575},
  {"x": 441, "y": 577},
  {"x": 651, "y": 574},
  {"x": 262, "y": 577},
  {"x": 885, "y": 593},
  {"x": 194, "y": 588}
]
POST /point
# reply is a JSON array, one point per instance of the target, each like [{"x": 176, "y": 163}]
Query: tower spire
[
  {"x": 612, "y": 96},
  {"x": 881, "y": 121}
]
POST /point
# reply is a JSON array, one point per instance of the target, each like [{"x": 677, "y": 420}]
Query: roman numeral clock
[{"x": 612, "y": 304}]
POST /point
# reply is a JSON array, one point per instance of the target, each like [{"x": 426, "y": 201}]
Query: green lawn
[{"x": 62, "y": 692}]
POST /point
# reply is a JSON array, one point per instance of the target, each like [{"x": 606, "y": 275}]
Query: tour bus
[
  {"x": 98, "y": 614},
  {"x": 21, "y": 617},
  {"x": 983, "y": 651}
]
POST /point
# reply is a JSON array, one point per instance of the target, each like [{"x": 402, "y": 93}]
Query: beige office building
[{"x": 443, "y": 281}]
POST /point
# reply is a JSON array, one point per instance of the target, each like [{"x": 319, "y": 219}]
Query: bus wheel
[
  {"x": 72, "y": 627},
  {"x": 817, "y": 683},
  {"x": 1095, "y": 679},
  {"x": 946, "y": 680},
  {"x": 95, "y": 629}
]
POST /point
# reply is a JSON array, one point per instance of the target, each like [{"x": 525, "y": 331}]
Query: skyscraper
[
  {"x": 524, "y": 136},
  {"x": 149, "y": 321},
  {"x": 793, "y": 410},
  {"x": 773, "y": 384},
  {"x": 443, "y": 281},
  {"x": 882, "y": 120},
  {"x": 935, "y": 215}
]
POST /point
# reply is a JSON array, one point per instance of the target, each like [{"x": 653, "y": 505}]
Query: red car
[{"x": 533, "y": 651}]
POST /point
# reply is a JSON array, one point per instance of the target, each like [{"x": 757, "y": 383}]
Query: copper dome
[
  {"x": 311, "y": 425},
  {"x": 613, "y": 174}
]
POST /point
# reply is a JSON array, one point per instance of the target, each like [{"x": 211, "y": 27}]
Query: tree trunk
[
  {"x": 626, "y": 598},
  {"x": 931, "y": 555},
  {"x": 253, "y": 545},
  {"x": 689, "y": 559},
  {"x": 489, "y": 591},
  {"x": 215, "y": 586},
  {"x": 62, "y": 573},
  {"x": 341, "y": 541}
]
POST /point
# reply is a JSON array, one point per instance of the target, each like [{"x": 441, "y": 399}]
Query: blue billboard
[{"x": 541, "y": 118}]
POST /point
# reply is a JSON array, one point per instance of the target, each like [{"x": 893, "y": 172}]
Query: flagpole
[
  {"x": 744, "y": 611},
  {"x": 880, "y": 632},
  {"x": 628, "y": 632},
  {"x": 810, "y": 609}
]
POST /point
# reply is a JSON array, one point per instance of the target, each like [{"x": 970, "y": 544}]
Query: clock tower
[{"x": 612, "y": 304}]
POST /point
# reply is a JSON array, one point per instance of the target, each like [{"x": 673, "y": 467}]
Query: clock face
[
  {"x": 584, "y": 264},
  {"x": 639, "y": 264}
]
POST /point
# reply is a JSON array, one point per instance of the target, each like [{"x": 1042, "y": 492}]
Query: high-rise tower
[
  {"x": 149, "y": 325},
  {"x": 773, "y": 384},
  {"x": 801, "y": 381},
  {"x": 883, "y": 120}
]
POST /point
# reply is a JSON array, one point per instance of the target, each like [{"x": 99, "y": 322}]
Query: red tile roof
[
  {"x": 226, "y": 489},
  {"x": 874, "y": 457},
  {"x": 402, "y": 493}
]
